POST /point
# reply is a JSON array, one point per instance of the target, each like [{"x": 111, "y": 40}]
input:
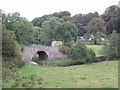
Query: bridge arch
[{"x": 42, "y": 55}]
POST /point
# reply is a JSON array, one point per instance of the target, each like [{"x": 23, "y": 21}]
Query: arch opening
[{"x": 42, "y": 55}]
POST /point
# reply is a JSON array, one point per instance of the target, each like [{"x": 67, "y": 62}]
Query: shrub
[
  {"x": 28, "y": 81},
  {"x": 9, "y": 66},
  {"x": 68, "y": 44},
  {"x": 19, "y": 63},
  {"x": 92, "y": 55},
  {"x": 64, "y": 49},
  {"x": 13, "y": 63},
  {"x": 81, "y": 53}
]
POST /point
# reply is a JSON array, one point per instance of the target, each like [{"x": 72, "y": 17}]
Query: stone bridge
[{"x": 43, "y": 52}]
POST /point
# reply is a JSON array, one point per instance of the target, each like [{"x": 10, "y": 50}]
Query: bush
[
  {"x": 10, "y": 65},
  {"x": 92, "y": 55},
  {"x": 64, "y": 49},
  {"x": 68, "y": 44},
  {"x": 81, "y": 53},
  {"x": 18, "y": 63}
]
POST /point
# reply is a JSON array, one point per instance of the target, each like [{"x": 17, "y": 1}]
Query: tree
[
  {"x": 65, "y": 31},
  {"x": 39, "y": 20},
  {"x": 88, "y": 17},
  {"x": 95, "y": 27},
  {"x": 37, "y": 35},
  {"x": 11, "y": 54},
  {"x": 81, "y": 21},
  {"x": 48, "y": 30},
  {"x": 23, "y": 31},
  {"x": 9, "y": 19},
  {"x": 61, "y": 14},
  {"x": 65, "y": 15},
  {"x": 20, "y": 26},
  {"x": 111, "y": 50},
  {"x": 111, "y": 17},
  {"x": 10, "y": 47},
  {"x": 111, "y": 13},
  {"x": 113, "y": 25},
  {"x": 81, "y": 29}
]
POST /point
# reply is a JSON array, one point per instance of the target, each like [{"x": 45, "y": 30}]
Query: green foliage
[
  {"x": 81, "y": 29},
  {"x": 111, "y": 17},
  {"x": 81, "y": 21},
  {"x": 61, "y": 14},
  {"x": 95, "y": 25},
  {"x": 112, "y": 48},
  {"x": 97, "y": 28},
  {"x": 64, "y": 49},
  {"x": 84, "y": 19},
  {"x": 9, "y": 46},
  {"x": 11, "y": 54},
  {"x": 59, "y": 62},
  {"x": 65, "y": 32},
  {"x": 11, "y": 63},
  {"x": 68, "y": 44},
  {"x": 39, "y": 20},
  {"x": 20, "y": 26},
  {"x": 113, "y": 25},
  {"x": 10, "y": 66},
  {"x": 92, "y": 55},
  {"x": 37, "y": 35},
  {"x": 28, "y": 81},
  {"x": 23, "y": 31},
  {"x": 48, "y": 30},
  {"x": 82, "y": 53}
]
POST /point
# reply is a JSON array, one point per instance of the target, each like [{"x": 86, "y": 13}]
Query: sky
[{"x": 31, "y": 9}]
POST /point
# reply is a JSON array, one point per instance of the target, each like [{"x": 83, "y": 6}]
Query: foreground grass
[
  {"x": 96, "y": 75},
  {"x": 97, "y": 49}
]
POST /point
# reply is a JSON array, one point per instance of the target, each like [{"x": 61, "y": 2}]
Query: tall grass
[{"x": 60, "y": 62}]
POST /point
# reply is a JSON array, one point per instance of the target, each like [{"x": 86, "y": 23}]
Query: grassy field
[
  {"x": 96, "y": 75},
  {"x": 97, "y": 49}
]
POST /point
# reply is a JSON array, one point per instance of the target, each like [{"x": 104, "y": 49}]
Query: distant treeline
[{"x": 59, "y": 26}]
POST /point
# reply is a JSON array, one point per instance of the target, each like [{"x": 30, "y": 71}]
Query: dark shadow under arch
[{"x": 42, "y": 55}]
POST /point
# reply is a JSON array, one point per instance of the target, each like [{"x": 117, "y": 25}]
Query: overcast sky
[{"x": 36, "y": 8}]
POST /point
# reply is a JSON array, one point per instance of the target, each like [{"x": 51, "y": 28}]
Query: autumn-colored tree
[{"x": 95, "y": 27}]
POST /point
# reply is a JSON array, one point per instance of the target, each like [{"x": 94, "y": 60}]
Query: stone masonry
[{"x": 51, "y": 51}]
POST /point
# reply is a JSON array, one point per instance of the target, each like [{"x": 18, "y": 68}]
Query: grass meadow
[
  {"x": 95, "y": 75},
  {"x": 97, "y": 49}
]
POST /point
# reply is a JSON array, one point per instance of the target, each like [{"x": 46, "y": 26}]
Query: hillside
[{"x": 96, "y": 75}]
